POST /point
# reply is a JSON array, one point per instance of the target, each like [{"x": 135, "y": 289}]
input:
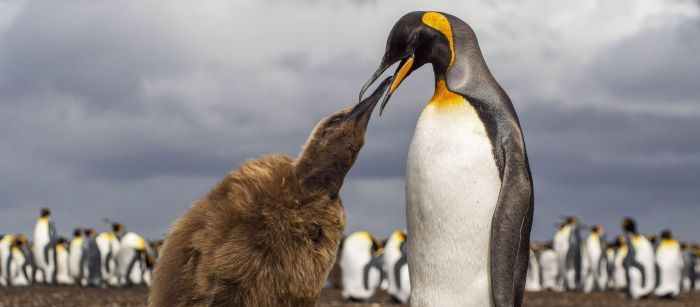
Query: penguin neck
[{"x": 443, "y": 96}]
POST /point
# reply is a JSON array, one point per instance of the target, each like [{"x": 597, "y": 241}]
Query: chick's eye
[{"x": 336, "y": 119}]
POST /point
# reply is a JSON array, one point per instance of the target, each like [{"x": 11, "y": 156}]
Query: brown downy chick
[{"x": 268, "y": 233}]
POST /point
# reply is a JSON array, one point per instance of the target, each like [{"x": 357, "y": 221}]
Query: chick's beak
[
  {"x": 402, "y": 71},
  {"x": 367, "y": 106}
]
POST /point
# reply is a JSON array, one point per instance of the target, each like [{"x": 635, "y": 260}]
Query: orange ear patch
[{"x": 439, "y": 22}]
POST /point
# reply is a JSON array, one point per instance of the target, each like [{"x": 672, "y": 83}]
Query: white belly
[{"x": 452, "y": 187}]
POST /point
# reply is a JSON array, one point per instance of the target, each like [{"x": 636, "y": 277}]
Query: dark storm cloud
[{"x": 658, "y": 65}]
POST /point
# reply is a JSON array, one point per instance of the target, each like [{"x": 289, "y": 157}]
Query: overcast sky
[{"x": 131, "y": 110}]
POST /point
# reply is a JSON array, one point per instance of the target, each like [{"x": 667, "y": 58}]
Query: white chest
[{"x": 452, "y": 188}]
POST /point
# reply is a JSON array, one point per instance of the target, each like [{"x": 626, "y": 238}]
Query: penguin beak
[
  {"x": 366, "y": 106},
  {"x": 402, "y": 71}
]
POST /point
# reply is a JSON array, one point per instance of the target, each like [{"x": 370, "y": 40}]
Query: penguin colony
[
  {"x": 587, "y": 262},
  {"x": 111, "y": 258},
  {"x": 632, "y": 264}
]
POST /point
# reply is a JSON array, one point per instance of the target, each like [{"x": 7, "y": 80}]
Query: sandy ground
[{"x": 73, "y": 296}]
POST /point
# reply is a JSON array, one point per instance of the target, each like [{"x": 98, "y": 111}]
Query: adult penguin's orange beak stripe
[{"x": 402, "y": 71}]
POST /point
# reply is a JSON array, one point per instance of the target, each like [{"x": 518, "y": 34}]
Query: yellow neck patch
[
  {"x": 670, "y": 243},
  {"x": 439, "y": 22},
  {"x": 444, "y": 97}
]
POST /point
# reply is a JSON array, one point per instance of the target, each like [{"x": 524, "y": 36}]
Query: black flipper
[
  {"x": 400, "y": 263},
  {"x": 130, "y": 267},
  {"x": 510, "y": 228},
  {"x": 107, "y": 259}
]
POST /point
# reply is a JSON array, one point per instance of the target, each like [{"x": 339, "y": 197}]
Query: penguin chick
[{"x": 268, "y": 233}]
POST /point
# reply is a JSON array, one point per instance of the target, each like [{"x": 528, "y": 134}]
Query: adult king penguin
[
  {"x": 468, "y": 181},
  {"x": 595, "y": 274},
  {"x": 639, "y": 261},
  {"x": 361, "y": 265},
  {"x": 669, "y": 260},
  {"x": 567, "y": 244},
  {"x": 45, "y": 247},
  {"x": 395, "y": 260}
]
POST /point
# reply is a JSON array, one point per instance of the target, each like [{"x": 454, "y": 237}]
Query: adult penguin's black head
[
  {"x": 666, "y": 234},
  {"x": 629, "y": 225},
  {"x": 416, "y": 39},
  {"x": 45, "y": 212}
]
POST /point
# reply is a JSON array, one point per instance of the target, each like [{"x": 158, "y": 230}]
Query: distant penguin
[
  {"x": 5, "y": 252},
  {"x": 151, "y": 259},
  {"x": 108, "y": 243},
  {"x": 131, "y": 259},
  {"x": 396, "y": 267},
  {"x": 595, "y": 276},
  {"x": 62, "y": 259},
  {"x": 620, "y": 273},
  {"x": 20, "y": 267},
  {"x": 669, "y": 260},
  {"x": 75, "y": 257},
  {"x": 268, "y": 233},
  {"x": 532, "y": 281},
  {"x": 567, "y": 244},
  {"x": 44, "y": 247},
  {"x": 91, "y": 262},
  {"x": 639, "y": 262},
  {"x": 360, "y": 266},
  {"x": 689, "y": 261},
  {"x": 610, "y": 265},
  {"x": 550, "y": 268}
]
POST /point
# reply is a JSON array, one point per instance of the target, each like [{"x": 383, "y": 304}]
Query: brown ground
[{"x": 73, "y": 296}]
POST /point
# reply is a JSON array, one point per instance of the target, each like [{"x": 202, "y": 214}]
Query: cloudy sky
[{"x": 133, "y": 109}]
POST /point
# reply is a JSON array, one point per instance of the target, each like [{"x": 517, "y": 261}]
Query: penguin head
[
  {"x": 77, "y": 232},
  {"x": 416, "y": 39},
  {"x": 666, "y": 234},
  {"x": 334, "y": 144},
  {"x": 620, "y": 241},
  {"x": 118, "y": 228},
  {"x": 597, "y": 229},
  {"x": 90, "y": 233},
  {"x": 651, "y": 237},
  {"x": 20, "y": 240},
  {"x": 629, "y": 225},
  {"x": 45, "y": 212},
  {"x": 377, "y": 247}
]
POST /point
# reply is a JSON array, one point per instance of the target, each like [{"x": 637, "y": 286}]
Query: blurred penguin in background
[
  {"x": 532, "y": 281},
  {"x": 91, "y": 260},
  {"x": 620, "y": 274},
  {"x": 20, "y": 268},
  {"x": 62, "y": 258},
  {"x": 152, "y": 255},
  {"x": 596, "y": 274},
  {"x": 396, "y": 267},
  {"x": 610, "y": 264},
  {"x": 108, "y": 243},
  {"x": 669, "y": 260},
  {"x": 6, "y": 242},
  {"x": 567, "y": 244},
  {"x": 688, "y": 267},
  {"x": 549, "y": 267},
  {"x": 44, "y": 247},
  {"x": 131, "y": 259},
  {"x": 361, "y": 266},
  {"x": 29, "y": 266},
  {"x": 639, "y": 262},
  {"x": 75, "y": 257}
]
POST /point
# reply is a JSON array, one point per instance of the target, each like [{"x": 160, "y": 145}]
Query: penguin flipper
[{"x": 510, "y": 230}]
